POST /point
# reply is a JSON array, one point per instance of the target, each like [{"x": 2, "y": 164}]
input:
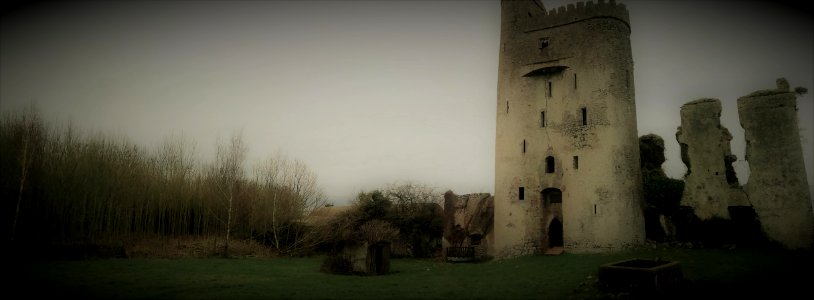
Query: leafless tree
[
  {"x": 418, "y": 214},
  {"x": 228, "y": 172},
  {"x": 289, "y": 194},
  {"x": 407, "y": 197},
  {"x": 29, "y": 131}
]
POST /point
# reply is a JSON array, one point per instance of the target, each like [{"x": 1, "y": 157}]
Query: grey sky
[{"x": 367, "y": 93}]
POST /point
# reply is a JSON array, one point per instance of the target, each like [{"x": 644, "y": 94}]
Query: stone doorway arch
[{"x": 552, "y": 218}]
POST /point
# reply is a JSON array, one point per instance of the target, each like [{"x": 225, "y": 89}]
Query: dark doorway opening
[
  {"x": 555, "y": 233},
  {"x": 552, "y": 195}
]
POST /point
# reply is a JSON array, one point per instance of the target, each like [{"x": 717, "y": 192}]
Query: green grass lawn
[{"x": 717, "y": 273}]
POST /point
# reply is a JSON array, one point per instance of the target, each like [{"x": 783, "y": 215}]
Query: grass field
[{"x": 707, "y": 272}]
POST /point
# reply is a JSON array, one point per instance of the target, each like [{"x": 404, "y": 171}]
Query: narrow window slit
[
  {"x": 542, "y": 119},
  {"x": 549, "y": 92},
  {"x": 584, "y": 116},
  {"x": 549, "y": 164}
]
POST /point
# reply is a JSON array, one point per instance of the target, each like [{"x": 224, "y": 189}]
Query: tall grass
[{"x": 62, "y": 187}]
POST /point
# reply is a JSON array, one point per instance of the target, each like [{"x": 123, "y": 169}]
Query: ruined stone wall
[
  {"x": 777, "y": 188},
  {"x": 469, "y": 221},
  {"x": 777, "y": 185},
  {"x": 566, "y": 120},
  {"x": 706, "y": 152}
]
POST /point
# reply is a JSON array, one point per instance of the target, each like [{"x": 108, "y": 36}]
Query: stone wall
[
  {"x": 777, "y": 188},
  {"x": 469, "y": 221},
  {"x": 706, "y": 152}
]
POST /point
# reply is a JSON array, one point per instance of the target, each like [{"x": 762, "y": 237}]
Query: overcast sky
[{"x": 368, "y": 93}]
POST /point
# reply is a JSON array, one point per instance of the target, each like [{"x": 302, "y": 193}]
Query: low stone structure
[
  {"x": 641, "y": 275},
  {"x": 368, "y": 258}
]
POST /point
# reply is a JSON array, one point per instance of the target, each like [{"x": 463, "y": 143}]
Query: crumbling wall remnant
[
  {"x": 468, "y": 221},
  {"x": 777, "y": 186},
  {"x": 706, "y": 153}
]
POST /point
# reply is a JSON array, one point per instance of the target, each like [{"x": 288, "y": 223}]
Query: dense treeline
[{"x": 62, "y": 187}]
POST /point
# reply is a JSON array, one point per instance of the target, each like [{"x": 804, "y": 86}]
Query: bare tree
[
  {"x": 30, "y": 132},
  {"x": 175, "y": 158},
  {"x": 307, "y": 198},
  {"x": 418, "y": 215},
  {"x": 174, "y": 162},
  {"x": 269, "y": 176},
  {"x": 228, "y": 173},
  {"x": 288, "y": 195},
  {"x": 407, "y": 197}
]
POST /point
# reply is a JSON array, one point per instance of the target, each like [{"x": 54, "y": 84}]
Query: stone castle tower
[{"x": 566, "y": 152}]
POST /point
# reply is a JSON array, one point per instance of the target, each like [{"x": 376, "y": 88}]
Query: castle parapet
[{"x": 577, "y": 12}]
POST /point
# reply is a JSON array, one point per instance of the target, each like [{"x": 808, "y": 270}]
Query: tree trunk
[
  {"x": 23, "y": 175},
  {"x": 228, "y": 227}
]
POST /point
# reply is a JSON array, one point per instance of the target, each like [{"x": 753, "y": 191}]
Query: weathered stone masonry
[
  {"x": 777, "y": 188},
  {"x": 710, "y": 184},
  {"x": 567, "y": 156},
  {"x": 469, "y": 222}
]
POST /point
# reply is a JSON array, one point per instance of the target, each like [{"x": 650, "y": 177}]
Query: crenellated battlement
[{"x": 576, "y": 12}]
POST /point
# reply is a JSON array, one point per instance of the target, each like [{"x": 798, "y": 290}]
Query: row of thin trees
[{"x": 62, "y": 187}]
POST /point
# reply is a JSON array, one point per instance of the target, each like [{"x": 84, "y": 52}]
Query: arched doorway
[
  {"x": 552, "y": 214},
  {"x": 555, "y": 233}
]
